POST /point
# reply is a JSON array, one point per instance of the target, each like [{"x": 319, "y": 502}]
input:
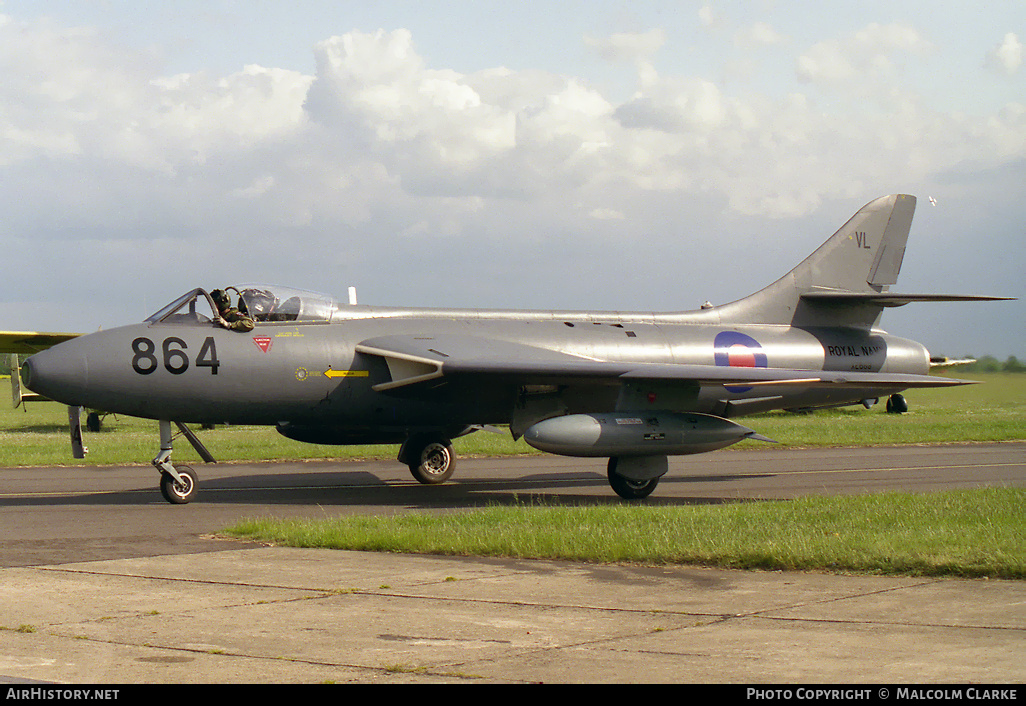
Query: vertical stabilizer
[{"x": 863, "y": 257}]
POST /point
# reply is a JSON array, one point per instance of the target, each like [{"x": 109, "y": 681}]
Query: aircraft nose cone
[{"x": 59, "y": 373}]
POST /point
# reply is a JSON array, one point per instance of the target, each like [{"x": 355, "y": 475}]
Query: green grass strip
[{"x": 972, "y": 533}]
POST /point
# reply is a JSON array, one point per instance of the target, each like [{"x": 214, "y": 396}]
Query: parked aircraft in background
[{"x": 631, "y": 387}]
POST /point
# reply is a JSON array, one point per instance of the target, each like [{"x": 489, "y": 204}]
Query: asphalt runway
[
  {"x": 57, "y": 515},
  {"x": 118, "y": 586}
]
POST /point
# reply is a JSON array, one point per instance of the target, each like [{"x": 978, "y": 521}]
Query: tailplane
[{"x": 846, "y": 281}]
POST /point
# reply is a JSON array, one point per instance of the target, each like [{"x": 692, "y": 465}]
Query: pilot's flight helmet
[{"x": 220, "y": 298}]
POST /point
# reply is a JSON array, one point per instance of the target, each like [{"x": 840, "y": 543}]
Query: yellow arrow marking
[{"x": 347, "y": 373}]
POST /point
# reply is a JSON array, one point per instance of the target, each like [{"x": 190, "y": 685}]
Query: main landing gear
[
  {"x": 896, "y": 404},
  {"x": 431, "y": 461},
  {"x": 634, "y": 478},
  {"x": 178, "y": 484},
  {"x": 430, "y": 458}
]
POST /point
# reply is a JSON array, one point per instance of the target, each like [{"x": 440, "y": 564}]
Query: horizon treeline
[{"x": 990, "y": 364}]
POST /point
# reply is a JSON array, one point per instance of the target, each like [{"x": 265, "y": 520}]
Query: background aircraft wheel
[
  {"x": 432, "y": 460},
  {"x": 896, "y": 404},
  {"x": 627, "y": 488},
  {"x": 93, "y": 421},
  {"x": 179, "y": 493}
]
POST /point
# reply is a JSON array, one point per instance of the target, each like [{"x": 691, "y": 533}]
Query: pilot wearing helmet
[{"x": 228, "y": 316}]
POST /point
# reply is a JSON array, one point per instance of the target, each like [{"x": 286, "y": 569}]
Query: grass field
[
  {"x": 37, "y": 433},
  {"x": 972, "y": 533}
]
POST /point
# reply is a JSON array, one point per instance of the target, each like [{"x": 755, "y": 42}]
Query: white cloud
[
  {"x": 628, "y": 46},
  {"x": 67, "y": 93},
  {"x": 759, "y": 34},
  {"x": 376, "y": 84},
  {"x": 606, "y": 214},
  {"x": 377, "y": 137},
  {"x": 201, "y": 115},
  {"x": 708, "y": 16},
  {"x": 379, "y": 163},
  {"x": 861, "y": 57},
  {"x": 259, "y": 187},
  {"x": 1006, "y": 57},
  {"x": 675, "y": 106},
  {"x": 96, "y": 140}
]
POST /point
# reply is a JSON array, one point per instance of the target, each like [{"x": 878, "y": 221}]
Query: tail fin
[{"x": 842, "y": 282}]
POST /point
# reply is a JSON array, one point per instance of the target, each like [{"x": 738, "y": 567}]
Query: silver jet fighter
[{"x": 631, "y": 387}]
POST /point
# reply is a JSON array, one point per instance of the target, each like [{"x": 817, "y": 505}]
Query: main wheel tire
[
  {"x": 432, "y": 460},
  {"x": 179, "y": 493},
  {"x": 896, "y": 404},
  {"x": 625, "y": 487}
]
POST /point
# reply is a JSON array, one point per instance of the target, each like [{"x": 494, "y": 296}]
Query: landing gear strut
[{"x": 178, "y": 485}]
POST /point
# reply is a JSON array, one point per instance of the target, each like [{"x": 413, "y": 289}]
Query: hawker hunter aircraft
[{"x": 631, "y": 387}]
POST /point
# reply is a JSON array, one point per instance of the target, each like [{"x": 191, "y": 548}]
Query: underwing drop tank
[{"x": 636, "y": 434}]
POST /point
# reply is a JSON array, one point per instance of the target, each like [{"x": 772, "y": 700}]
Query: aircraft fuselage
[{"x": 310, "y": 373}]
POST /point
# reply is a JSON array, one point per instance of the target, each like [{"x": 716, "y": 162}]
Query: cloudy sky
[{"x": 591, "y": 154}]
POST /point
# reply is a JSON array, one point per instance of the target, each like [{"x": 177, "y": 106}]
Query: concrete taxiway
[
  {"x": 298, "y": 615},
  {"x": 102, "y": 582}
]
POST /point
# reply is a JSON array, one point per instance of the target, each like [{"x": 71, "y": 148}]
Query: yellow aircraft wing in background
[
  {"x": 29, "y": 342},
  {"x": 22, "y": 343}
]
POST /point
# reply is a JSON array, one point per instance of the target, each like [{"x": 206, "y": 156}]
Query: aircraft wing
[
  {"x": 26, "y": 343},
  {"x": 415, "y": 360},
  {"x": 427, "y": 361},
  {"x": 29, "y": 342}
]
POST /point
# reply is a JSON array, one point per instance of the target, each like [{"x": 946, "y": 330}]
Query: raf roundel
[{"x": 737, "y": 350}]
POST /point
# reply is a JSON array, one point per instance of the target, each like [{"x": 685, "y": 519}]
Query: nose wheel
[{"x": 181, "y": 490}]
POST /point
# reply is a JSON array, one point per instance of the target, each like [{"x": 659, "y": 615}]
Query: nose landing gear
[{"x": 178, "y": 485}]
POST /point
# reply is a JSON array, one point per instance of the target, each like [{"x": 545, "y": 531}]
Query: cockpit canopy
[
  {"x": 273, "y": 303},
  {"x": 264, "y": 303}
]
